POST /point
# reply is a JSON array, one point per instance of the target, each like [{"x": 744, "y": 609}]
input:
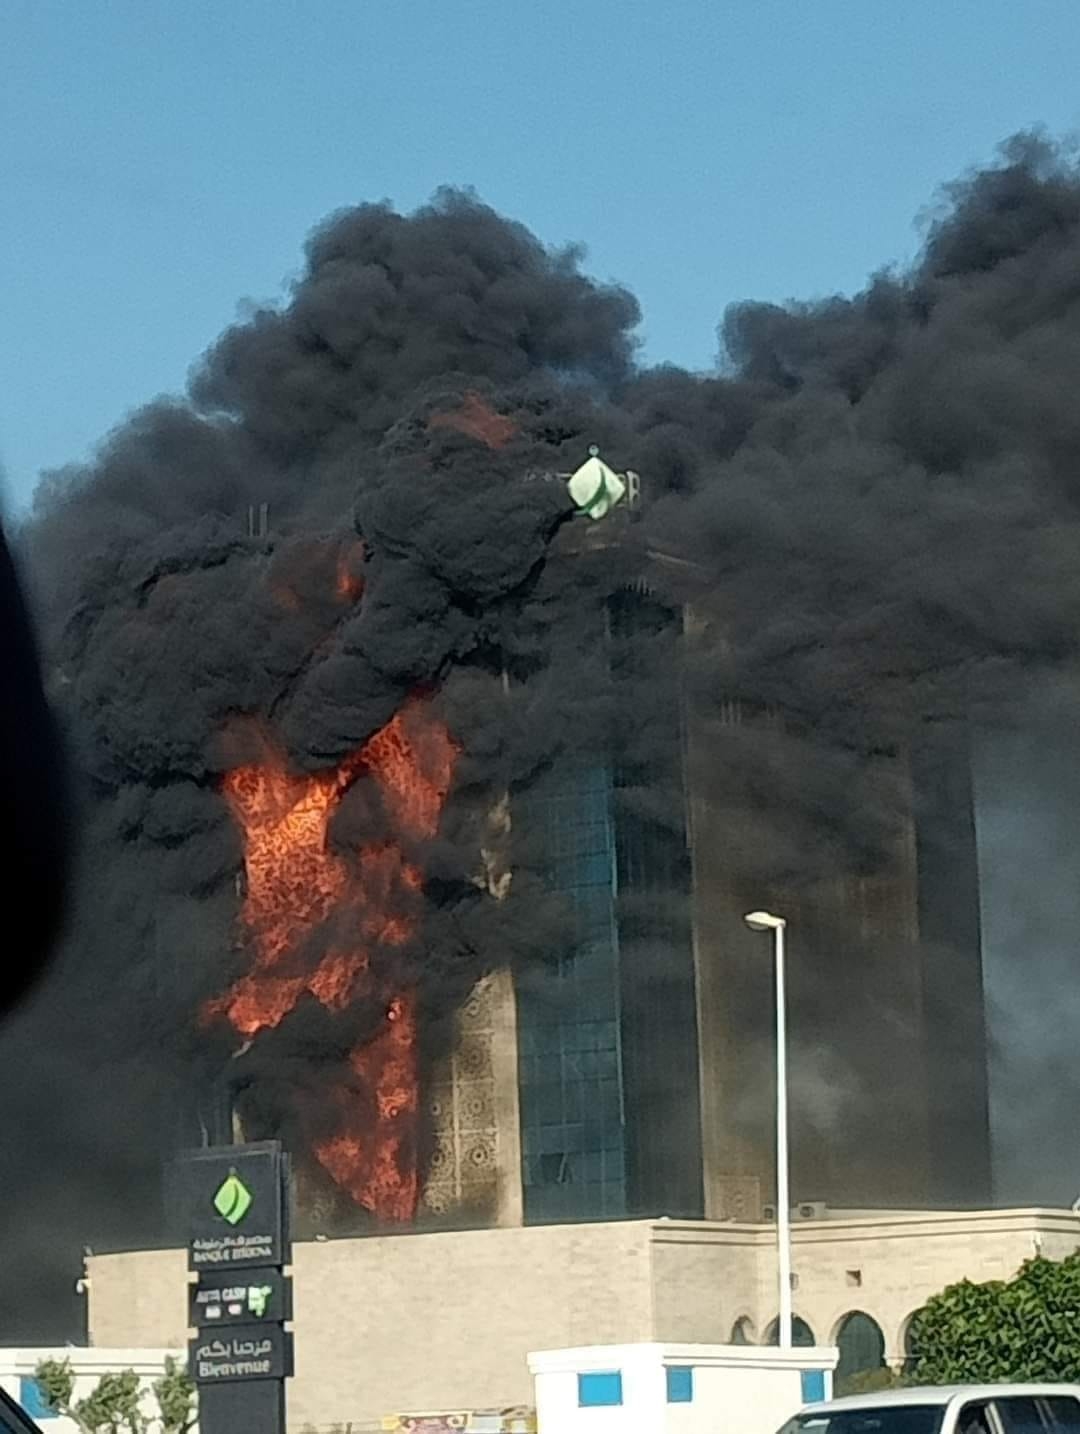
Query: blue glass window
[
  {"x": 602, "y": 1387},
  {"x": 813, "y": 1386},
  {"x": 32, "y": 1399},
  {"x": 680, "y": 1383},
  {"x": 572, "y": 1135}
]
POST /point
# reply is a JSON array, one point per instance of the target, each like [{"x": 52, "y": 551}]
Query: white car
[
  {"x": 958, "y": 1409},
  {"x": 12, "y": 1418}
]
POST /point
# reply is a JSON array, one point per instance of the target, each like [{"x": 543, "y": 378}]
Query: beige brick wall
[
  {"x": 904, "y": 1259},
  {"x": 445, "y": 1320},
  {"x": 441, "y": 1320},
  {"x": 705, "y": 1277},
  {"x": 138, "y": 1300}
]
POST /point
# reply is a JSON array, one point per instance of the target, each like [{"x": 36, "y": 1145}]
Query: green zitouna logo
[
  {"x": 595, "y": 488},
  {"x": 233, "y": 1199}
]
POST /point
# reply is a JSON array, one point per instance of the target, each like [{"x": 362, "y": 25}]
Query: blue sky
[{"x": 162, "y": 162}]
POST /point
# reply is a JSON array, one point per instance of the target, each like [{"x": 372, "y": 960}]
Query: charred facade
[
  {"x": 628, "y": 1069},
  {"x": 644, "y": 1046}
]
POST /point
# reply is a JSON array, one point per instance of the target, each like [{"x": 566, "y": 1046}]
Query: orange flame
[
  {"x": 295, "y": 883},
  {"x": 476, "y": 418},
  {"x": 350, "y": 583}
]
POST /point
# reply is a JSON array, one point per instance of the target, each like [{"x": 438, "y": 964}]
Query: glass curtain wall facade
[
  {"x": 658, "y": 987},
  {"x": 607, "y": 1034},
  {"x": 570, "y": 1067}
]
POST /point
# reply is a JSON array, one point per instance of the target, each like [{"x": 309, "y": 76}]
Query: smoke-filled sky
[
  {"x": 876, "y": 501},
  {"x": 162, "y": 162}
]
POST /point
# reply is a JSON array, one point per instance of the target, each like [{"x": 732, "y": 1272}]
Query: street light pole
[
  {"x": 765, "y": 921},
  {"x": 783, "y": 1198}
]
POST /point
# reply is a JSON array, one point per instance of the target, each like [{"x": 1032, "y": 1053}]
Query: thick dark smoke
[{"x": 872, "y": 506}]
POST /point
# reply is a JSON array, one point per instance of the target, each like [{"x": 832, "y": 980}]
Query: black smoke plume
[{"x": 871, "y": 507}]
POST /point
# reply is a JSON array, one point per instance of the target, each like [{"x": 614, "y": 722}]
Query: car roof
[{"x": 936, "y": 1394}]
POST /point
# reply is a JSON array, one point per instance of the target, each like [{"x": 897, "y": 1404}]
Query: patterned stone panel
[{"x": 472, "y": 1106}]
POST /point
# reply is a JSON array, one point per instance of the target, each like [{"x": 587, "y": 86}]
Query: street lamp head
[{"x": 764, "y": 921}]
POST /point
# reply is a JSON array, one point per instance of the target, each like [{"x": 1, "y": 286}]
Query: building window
[
  {"x": 556, "y": 1169},
  {"x": 599, "y": 1388},
  {"x": 32, "y": 1398},
  {"x": 813, "y": 1386},
  {"x": 802, "y": 1336},
  {"x": 742, "y": 1331},
  {"x": 908, "y": 1342},
  {"x": 680, "y": 1383},
  {"x": 861, "y": 1345}
]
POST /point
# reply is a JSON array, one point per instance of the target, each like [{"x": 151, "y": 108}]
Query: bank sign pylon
[{"x": 233, "y": 1202}]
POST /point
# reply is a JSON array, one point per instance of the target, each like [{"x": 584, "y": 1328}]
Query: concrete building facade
[{"x": 446, "y": 1320}]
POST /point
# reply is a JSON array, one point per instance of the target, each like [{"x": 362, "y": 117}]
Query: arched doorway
[
  {"x": 742, "y": 1331},
  {"x": 861, "y": 1344},
  {"x": 802, "y": 1336}
]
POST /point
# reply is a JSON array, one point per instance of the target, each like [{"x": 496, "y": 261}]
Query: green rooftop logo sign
[
  {"x": 233, "y": 1199},
  {"x": 595, "y": 487}
]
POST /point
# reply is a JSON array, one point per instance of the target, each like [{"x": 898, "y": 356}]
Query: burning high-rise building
[
  {"x": 628, "y": 1070},
  {"x": 420, "y": 812}
]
